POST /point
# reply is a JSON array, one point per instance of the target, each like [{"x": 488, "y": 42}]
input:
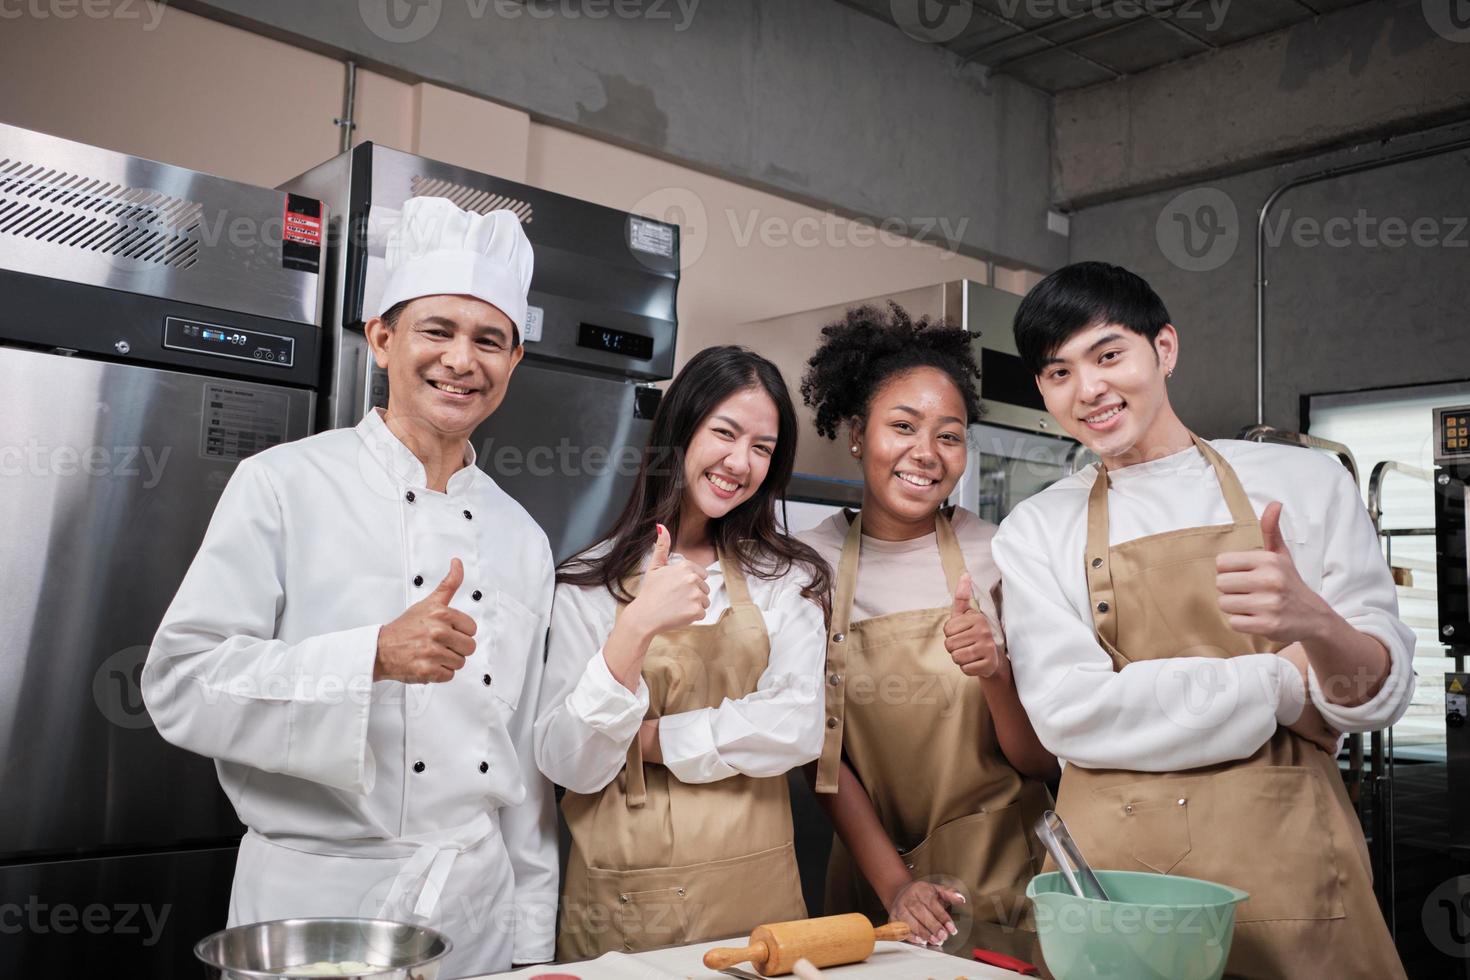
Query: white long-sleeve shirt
[
  {"x": 588, "y": 719},
  {"x": 1185, "y": 712},
  {"x": 264, "y": 660}
]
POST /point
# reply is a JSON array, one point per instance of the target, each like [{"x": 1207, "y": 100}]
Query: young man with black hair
[{"x": 1192, "y": 625}]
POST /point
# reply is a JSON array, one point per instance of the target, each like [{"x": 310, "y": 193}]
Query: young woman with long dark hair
[
  {"x": 679, "y": 692},
  {"x": 931, "y": 770}
]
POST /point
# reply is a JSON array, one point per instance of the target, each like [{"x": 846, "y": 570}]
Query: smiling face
[
  {"x": 730, "y": 452},
  {"x": 912, "y": 446},
  {"x": 448, "y": 360},
  {"x": 1105, "y": 386}
]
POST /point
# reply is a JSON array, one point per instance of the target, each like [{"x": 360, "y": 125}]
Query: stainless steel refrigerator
[
  {"x": 156, "y": 326},
  {"x": 567, "y": 440}
]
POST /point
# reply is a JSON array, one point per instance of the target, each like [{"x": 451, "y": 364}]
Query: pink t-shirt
[{"x": 897, "y": 576}]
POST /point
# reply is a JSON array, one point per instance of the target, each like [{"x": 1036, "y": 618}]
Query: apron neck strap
[
  {"x": 735, "y": 586},
  {"x": 1241, "y": 512},
  {"x": 950, "y": 556}
]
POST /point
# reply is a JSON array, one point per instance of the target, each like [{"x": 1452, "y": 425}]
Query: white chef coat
[
  {"x": 264, "y": 662},
  {"x": 1140, "y": 718},
  {"x": 587, "y": 719}
]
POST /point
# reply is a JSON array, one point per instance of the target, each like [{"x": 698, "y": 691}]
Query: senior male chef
[{"x": 359, "y": 641}]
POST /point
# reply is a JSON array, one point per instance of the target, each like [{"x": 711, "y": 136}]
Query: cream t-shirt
[{"x": 898, "y": 576}]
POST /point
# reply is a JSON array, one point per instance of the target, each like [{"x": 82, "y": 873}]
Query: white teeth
[
  {"x": 918, "y": 481},
  {"x": 1101, "y": 417},
  {"x": 724, "y": 485}
]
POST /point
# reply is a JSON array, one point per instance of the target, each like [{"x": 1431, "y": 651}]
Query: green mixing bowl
[{"x": 1157, "y": 927}]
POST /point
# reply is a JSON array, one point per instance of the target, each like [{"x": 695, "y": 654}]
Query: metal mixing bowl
[{"x": 261, "y": 950}]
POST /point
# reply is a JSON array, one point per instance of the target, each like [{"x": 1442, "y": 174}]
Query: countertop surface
[{"x": 890, "y": 961}]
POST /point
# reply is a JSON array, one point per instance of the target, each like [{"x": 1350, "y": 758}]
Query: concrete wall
[
  {"x": 807, "y": 98},
  {"x": 1369, "y": 284},
  {"x": 1371, "y": 70},
  {"x": 201, "y": 94}
]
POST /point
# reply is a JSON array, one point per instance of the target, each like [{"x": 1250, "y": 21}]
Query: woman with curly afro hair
[{"x": 931, "y": 772}]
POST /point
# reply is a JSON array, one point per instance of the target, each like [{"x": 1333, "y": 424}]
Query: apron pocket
[
  {"x": 989, "y": 854},
  {"x": 652, "y": 918},
  {"x": 1276, "y": 830},
  {"x": 699, "y": 902},
  {"x": 1151, "y": 821}
]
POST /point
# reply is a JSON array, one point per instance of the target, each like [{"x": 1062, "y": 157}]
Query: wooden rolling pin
[{"x": 833, "y": 940}]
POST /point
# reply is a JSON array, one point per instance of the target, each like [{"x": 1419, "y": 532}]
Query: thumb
[
  {"x": 962, "y": 595},
  {"x": 1271, "y": 528},
  {"x": 445, "y": 590},
  {"x": 660, "y": 549}
]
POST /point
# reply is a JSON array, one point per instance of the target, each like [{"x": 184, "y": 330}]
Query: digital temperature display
[
  {"x": 615, "y": 341},
  {"x": 245, "y": 345}
]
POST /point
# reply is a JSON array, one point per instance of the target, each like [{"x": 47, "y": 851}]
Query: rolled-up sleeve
[
  {"x": 776, "y": 727},
  {"x": 586, "y": 719},
  {"x": 1151, "y": 716},
  {"x": 1357, "y": 584}
]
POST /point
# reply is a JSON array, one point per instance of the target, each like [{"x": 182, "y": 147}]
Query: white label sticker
[
  {"x": 653, "y": 237},
  {"x": 240, "y": 422},
  {"x": 535, "y": 316},
  {"x": 1455, "y": 704}
]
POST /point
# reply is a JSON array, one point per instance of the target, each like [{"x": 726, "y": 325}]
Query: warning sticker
[
  {"x": 653, "y": 237},
  {"x": 238, "y": 422},
  {"x": 301, "y": 234}
]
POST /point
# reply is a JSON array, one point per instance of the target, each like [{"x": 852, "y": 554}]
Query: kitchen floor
[{"x": 1424, "y": 863}]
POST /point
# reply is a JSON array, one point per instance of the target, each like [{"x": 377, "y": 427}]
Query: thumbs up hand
[
  {"x": 968, "y": 639},
  {"x": 430, "y": 641},
  {"x": 1261, "y": 592},
  {"x": 673, "y": 594}
]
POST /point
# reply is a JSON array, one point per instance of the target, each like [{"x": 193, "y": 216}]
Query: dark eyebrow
[
  {"x": 944, "y": 420},
  {"x": 1104, "y": 339},
  {"x": 740, "y": 428}
]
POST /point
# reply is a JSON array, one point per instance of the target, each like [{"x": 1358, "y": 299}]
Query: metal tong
[{"x": 1063, "y": 850}]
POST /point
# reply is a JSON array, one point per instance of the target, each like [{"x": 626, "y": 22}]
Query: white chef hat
[{"x": 440, "y": 249}]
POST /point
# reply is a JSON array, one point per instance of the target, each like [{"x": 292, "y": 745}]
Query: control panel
[{"x": 223, "y": 341}]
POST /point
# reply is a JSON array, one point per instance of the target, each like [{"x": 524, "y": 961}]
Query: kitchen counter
[{"x": 890, "y": 961}]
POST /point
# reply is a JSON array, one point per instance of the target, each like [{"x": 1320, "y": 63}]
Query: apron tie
[{"x": 438, "y": 862}]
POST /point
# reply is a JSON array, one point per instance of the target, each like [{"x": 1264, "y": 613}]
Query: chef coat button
[
  {"x": 835, "y": 680},
  {"x": 477, "y": 595},
  {"x": 484, "y": 767},
  {"x": 838, "y": 637},
  {"x": 831, "y": 722},
  {"x": 409, "y": 496},
  {"x": 418, "y": 767},
  {"x": 486, "y": 679},
  {"x": 1102, "y": 607},
  {"x": 468, "y": 516},
  {"x": 1097, "y": 563},
  {"x": 418, "y": 580}
]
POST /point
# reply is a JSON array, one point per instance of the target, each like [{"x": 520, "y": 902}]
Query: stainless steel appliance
[
  {"x": 567, "y": 440},
  {"x": 1452, "y": 558},
  {"x": 157, "y": 326}
]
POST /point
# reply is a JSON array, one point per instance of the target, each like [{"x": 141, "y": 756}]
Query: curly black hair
[{"x": 867, "y": 347}]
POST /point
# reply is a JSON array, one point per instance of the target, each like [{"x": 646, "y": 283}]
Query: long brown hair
[{"x": 749, "y": 533}]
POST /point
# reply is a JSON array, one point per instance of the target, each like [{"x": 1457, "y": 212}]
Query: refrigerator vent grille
[
  {"x": 78, "y": 212},
  {"x": 471, "y": 198}
]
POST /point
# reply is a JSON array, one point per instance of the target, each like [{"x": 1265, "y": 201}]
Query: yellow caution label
[{"x": 1456, "y": 687}]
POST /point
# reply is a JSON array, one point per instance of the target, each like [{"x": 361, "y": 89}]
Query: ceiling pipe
[{"x": 1261, "y": 280}]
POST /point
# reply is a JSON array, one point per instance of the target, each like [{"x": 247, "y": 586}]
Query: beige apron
[
  {"x": 1278, "y": 824},
  {"x": 657, "y": 862},
  {"x": 917, "y": 733}
]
